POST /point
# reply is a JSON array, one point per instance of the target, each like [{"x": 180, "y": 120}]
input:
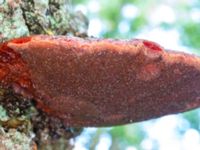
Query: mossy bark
[{"x": 27, "y": 17}]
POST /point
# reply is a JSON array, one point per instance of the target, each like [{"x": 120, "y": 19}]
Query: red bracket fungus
[{"x": 100, "y": 82}]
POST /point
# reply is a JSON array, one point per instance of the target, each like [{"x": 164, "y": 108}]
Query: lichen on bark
[
  {"x": 55, "y": 17},
  {"x": 14, "y": 139}
]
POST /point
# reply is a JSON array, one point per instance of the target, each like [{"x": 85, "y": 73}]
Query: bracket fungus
[{"x": 100, "y": 82}]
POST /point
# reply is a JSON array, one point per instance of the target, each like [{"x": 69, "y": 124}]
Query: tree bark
[{"x": 55, "y": 17}]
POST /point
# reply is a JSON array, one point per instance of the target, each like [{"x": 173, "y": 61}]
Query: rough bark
[
  {"x": 55, "y": 17},
  {"x": 27, "y": 17}
]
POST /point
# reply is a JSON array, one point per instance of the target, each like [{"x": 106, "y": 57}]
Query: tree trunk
[{"x": 27, "y": 17}]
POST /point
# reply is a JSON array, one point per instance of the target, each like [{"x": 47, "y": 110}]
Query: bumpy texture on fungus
[{"x": 101, "y": 82}]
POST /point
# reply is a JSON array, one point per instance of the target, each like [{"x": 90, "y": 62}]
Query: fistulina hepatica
[{"x": 100, "y": 82}]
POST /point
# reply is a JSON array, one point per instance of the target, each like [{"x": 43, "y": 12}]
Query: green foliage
[
  {"x": 110, "y": 15},
  {"x": 191, "y": 34},
  {"x": 193, "y": 118},
  {"x": 133, "y": 135}
]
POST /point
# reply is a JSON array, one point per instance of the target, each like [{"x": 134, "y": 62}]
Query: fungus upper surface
[{"x": 104, "y": 82}]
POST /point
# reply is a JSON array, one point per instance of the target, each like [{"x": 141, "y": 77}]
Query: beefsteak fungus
[{"x": 100, "y": 82}]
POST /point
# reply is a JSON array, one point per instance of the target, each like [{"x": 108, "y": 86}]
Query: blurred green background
[{"x": 175, "y": 24}]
